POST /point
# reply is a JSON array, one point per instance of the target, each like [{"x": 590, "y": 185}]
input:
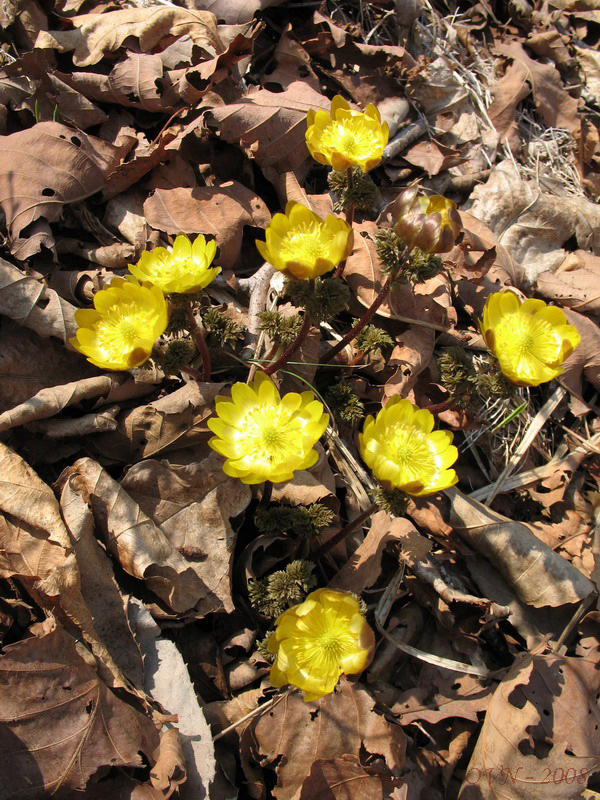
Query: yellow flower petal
[
  {"x": 345, "y": 137},
  {"x": 266, "y": 437},
  {"x": 302, "y": 245},
  {"x": 530, "y": 339},
  {"x": 318, "y": 640},
  {"x": 184, "y": 269},
  {"x": 403, "y": 452},
  {"x": 121, "y": 330}
]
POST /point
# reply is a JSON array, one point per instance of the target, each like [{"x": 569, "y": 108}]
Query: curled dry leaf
[
  {"x": 219, "y": 211},
  {"x": 338, "y": 724},
  {"x": 577, "y": 285},
  {"x": 270, "y": 126},
  {"x": 364, "y": 567},
  {"x": 410, "y": 357},
  {"x": 95, "y": 35},
  {"x": 193, "y": 504},
  {"x": 508, "y": 93},
  {"x": 30, "y": 303},
  {"x": 36, "y": 549},
  {"x": 57, "y": 165},
  {"x": 139, "y": 545},
  {"x": 186, "y": 754},
  {"x": 234, "y": 11},
  {"x": 540, "y": 736},
  {"x": 346, "y": 778},
  {"x": 462, "y": 696},
  {"x": 539, "y": 575},
  {"x": 176, "y": 420},
  {"x": 99, "y": 588},
  {"x": 57, "y": 733},
  {"x": 534, "y": 226},
  {"x": 48, "y": 402},
  {"x": 584, "y": 361},
  {"x": 29, "y": 364}
]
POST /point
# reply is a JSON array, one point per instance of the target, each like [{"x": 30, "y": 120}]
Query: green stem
[
  {"x": 198, "y": 335},
  {"x": 362, "y": 322},
  {"x": 341, "y": 534}
]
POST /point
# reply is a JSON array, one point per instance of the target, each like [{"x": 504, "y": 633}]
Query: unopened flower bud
[{"x": 429, "y": 223}]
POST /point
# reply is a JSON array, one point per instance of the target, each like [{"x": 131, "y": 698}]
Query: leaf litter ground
[{"x": 131, "y": 566}]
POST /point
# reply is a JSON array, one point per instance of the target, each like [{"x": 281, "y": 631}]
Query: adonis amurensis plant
[{"x": 265, "y": 435}]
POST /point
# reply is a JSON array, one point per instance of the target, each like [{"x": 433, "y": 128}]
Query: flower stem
[
  {"x": 349, "y": 214},
  {"x": 284, "y": 357},
  {"x": 362, "y": 322},
  {"x": 341, "y": 534},
  {"x": 360, "y": 356},
  {"x": 192, "y": 373},
  {"x": 198, "y": 335},
  {"x": 267, "y": 492},
  {"x": 437, "y": 407}
]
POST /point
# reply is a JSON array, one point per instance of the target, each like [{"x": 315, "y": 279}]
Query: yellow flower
[
  {"x": 120, "y": 331},
  {"x": 530, "y": 339},
  {"x": 184, "y": 268},
  {"x": 263, "y": 436},
  {"x": 302, "y": 245},
  {"x": 404, "y": 452},
  {"x": 429, "y": 223},
  {"x": 318, "y": 640},
  {"x": 346, "y": 138}
]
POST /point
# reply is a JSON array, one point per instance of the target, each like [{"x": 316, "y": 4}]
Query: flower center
[
  {"x": 306, "y": 243},
  {"x": 407, "y": 448},
  {"x": 519, "y": 338},
  {"x": 122, "y": 330},
  {"x": 354, "y": 138}
]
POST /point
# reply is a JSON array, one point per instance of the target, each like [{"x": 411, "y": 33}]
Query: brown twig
[
  {"x": 198, "y": 335},
  {"x": 345, "y": 531}
]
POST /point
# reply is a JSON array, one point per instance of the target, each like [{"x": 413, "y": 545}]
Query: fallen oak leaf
[
  {"x": 55, "y": 734},
  {"x": 30, "y": 303},
  {"x": 295, "y": 733},
  {"x": 95, "y": 35},
  {"x": 57, "y": 165},
  {"x": 270, "y": 126},
  {"x": 134, "y": 540},
  {"x": 345, "y": 778},
  {"x": 538, "y": 574},
  {"x": 221, "y": 211},
  {"x": 542, "y": 718}
]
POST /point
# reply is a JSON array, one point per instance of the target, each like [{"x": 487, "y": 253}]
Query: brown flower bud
[{"x": 429, "y": 223}]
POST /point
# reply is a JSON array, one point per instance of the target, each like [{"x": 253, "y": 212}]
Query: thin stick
[
  {"x": 341, "y": 534},
  {"x": 192, "y": 372},
  {"x": 254, "y": 713},
  {"x": 196, "y": 332}
]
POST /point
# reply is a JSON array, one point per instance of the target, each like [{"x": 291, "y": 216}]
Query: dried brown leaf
[
  {"x": 176, "y": 420},
  {"x": 540, "y": 735},
  {"x": 95, "y": 35},
  {"x": 270, "y": 126},
  {"x": 56, "y": 165},
  {"x": 219, "y": 211},
  {"x": 576, "y": 284},
  {"x": 48, "y": 402},
  {"x": 30, "y": 303},
  {"x": 539, "y": 575},
  {"x": 508, "y": 93},
  {"x": 134, "y": 540},
  {"x": 99, "y": 588},
  {"x": 193, "y": 504},
  {"x": 555, "y": 105},
  {"x": 364, "y": 567},
  {"x": 410, "y": 357},
  {"x": 346, "y": 778},
  {"x": 236, "y": 11},
  {"x": 534, "y": 226},
  {"x": 56, "y": 733},
  {"x": 294, "y": 734},
  {"x": 465, "y": 698}
]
